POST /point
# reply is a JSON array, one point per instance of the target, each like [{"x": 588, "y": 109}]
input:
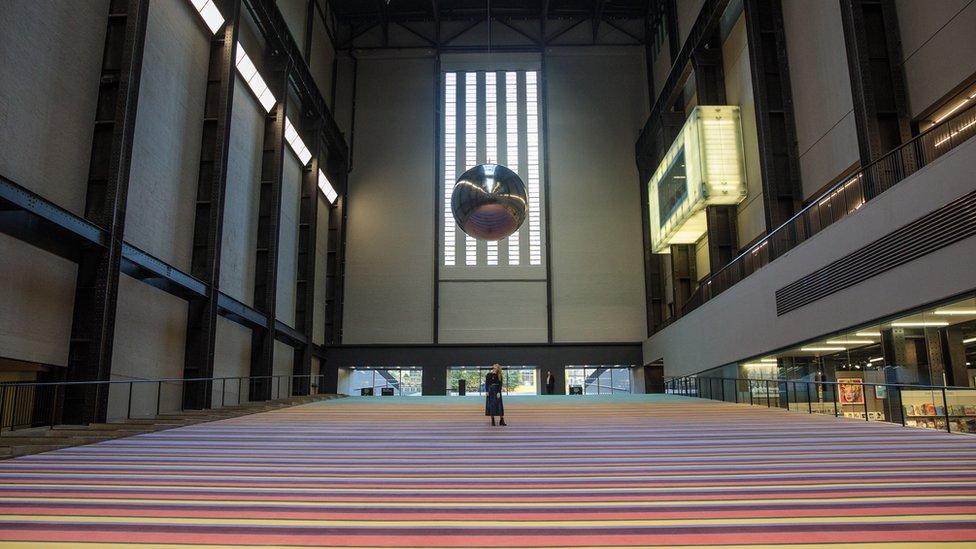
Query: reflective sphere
[{"x": 489, "y": 202}]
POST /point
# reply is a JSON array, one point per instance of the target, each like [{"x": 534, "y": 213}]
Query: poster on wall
[
  {"x": 880, "y": 391},
  {"x": 850, "y": 390}
]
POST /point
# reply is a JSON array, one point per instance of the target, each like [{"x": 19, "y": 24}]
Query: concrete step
[{"x": 24, "y": 450}]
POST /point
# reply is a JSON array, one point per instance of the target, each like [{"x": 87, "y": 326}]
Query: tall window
[{"x": 492, "y": 117}]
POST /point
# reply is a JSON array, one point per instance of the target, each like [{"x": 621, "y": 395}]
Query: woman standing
[{"x": 493, "y": 402}]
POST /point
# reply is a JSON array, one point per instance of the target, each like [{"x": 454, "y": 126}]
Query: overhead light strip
[
  {"x": 327, "y": 189},
  {"x": 209, "y": 13}
]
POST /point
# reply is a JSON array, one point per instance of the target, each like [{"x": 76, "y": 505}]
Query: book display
[{"x": 926, "y": 408}]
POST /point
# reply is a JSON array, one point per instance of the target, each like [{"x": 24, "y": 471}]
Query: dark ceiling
[{"x": 360, "y": 11}]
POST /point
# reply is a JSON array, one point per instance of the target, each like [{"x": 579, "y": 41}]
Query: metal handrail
[
  {"x": 888, "y": 408},
  {"x": 868, "y": 182},
  {"x": 26, "y": 404}
]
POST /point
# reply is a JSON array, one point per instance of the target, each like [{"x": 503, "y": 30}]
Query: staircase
[{"x": 44, "y": 439}]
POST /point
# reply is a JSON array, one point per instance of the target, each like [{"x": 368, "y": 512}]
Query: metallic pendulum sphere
[{"x": 489, "y": 202}]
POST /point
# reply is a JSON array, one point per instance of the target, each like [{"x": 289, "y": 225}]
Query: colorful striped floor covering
[{"x": 567, "y": 472}]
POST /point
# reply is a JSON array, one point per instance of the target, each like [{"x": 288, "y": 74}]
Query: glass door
[
  {"x": 518, "y": 380},
  {"x": 598, "y": 380},
  {"x": 403, "y": 381}
]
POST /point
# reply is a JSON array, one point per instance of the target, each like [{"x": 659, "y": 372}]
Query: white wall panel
[
  {"x": 938, "y": 46},
  {"x": 742, "y": 323},
  {"x": 321, "y": 264},
  {"x": 492, "y": 312},
  {"x": 390, "y": 240},
  {"x": 597, "y": 104},
  {"x": 232, "y": 358},
  {"x": 37, "y": 303},
  {"x": 688, "y": 11},
  {"x": 168, "y": 131},
  {"x": 150, "y": 335},
  {"x": 294, "y": 13},
  {"x": 241, "y": 197},
  {"x": 283, "y": 365},
  {"x": 286, "y": 296},
  {"x": 821, "y": 91},
  {"x": 51, "y": 54},
  {"x": 320, "y": 62}
]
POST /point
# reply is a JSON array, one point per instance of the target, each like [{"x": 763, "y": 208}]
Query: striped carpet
[{"x": 567, "y": 472}]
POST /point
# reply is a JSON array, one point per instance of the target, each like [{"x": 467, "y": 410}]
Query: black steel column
[
  {"x": 269, "y": 217},
  {"x": 96, "y": 292},
  {"x": 305, "y": 275},
  {"x": 709, "y": 72},
  {"x": 779, "y": 160},
  {"x": 684, "y": 274},
  {"x": 201, "y": 325},
  {"x": 723, "y": 239},
  {"x": 874, "y": 60}
]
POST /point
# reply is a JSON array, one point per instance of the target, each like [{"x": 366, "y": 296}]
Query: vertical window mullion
[
  {"x": 491, "y": 148},
  {"x": 450, "y": 166},
  {"x": 471, "y": 149},
  {"x": 534, "y": 167},
  {"x": 512, "y": 155}
]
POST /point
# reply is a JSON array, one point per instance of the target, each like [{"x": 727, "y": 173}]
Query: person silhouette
[{"x": 494, "y": 406}]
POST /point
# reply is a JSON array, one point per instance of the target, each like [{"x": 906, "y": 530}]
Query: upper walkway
[{"x": 568, "y": 471}]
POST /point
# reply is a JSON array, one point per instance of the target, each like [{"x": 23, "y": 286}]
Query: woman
[{"x": 493, "y": 402}]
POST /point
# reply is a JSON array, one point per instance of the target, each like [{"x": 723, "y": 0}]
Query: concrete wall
[
  {"x": 232, "y": 358},
  {"x": 597, "y": 104},
  {"x": 938, "y": 48},
  {"x": 822, "y": 101},
  {"x": 742, "y": 323},
  {"x": 291, "y": 198},
  {"x": 169, "y": 128},
  {"x": 294, "y": 12},
  {"x": 687, "y": 14},
  {"x": 389, "y": 277},
  {"x": 750, "y": 214},
  {"x": 490, "y": 312},
  {"x": 240, "y": 231},
  {"x": 47, "y": 107},
  {"x": 321, "y": 263},
  {"x": 150, "y": 337},
  {"x": 320, "y": 62}
]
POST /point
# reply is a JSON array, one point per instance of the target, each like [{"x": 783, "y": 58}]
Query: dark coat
[{"x": 493, "y": 401}]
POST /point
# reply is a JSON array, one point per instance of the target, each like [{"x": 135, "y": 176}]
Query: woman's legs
[
  {"x": 493, "y": 421},
  {"x": 502, "y": 422}
]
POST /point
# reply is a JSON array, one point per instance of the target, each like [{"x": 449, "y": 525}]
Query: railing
[
  {"x": 951, "y": 409},
  {"x": 842, "y": 199},
  {"x": 36, "y": 404}
]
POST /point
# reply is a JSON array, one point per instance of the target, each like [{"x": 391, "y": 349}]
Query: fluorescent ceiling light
[
  {"x": 209, "y": 13},
  {"x": 326, "y": 186},
  {"x": 249, "y": 73},
  {"x": 921, "y": 324},
  {"x": 868, "y": 334},
  {"x": 952, "y": 110},
  {"x": 768, "y": 360},
  {"x": 970, "y": 340},
  {"x": 849, "y": 341},
  {"x": 878, "y": 359},
  {"x": 296, "y": 143},
  {"x": 823, "y": 348},
  {"x": 949, "y": 312}
]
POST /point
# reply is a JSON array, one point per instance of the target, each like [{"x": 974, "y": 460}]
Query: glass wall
[
  {"x": 404, "y": 381},
  {"x": 598, "y": 380},
  {"x": 518, "y": 380},
  {"x": 932, "y": 346},
  {"x": 916, "y": 369}
]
